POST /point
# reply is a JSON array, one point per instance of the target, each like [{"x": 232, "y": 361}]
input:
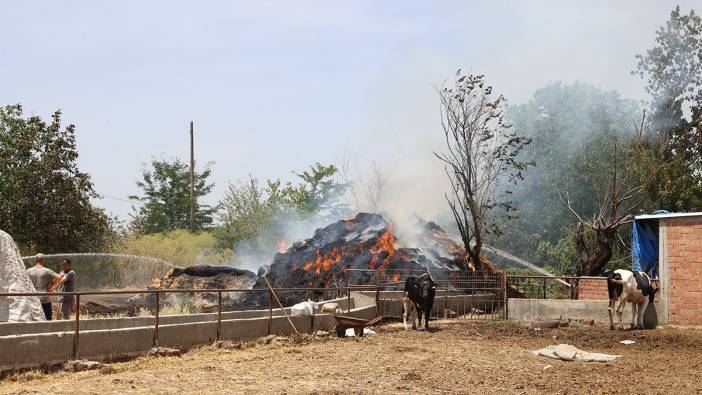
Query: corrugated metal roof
[{"x": 668, "y": 215}]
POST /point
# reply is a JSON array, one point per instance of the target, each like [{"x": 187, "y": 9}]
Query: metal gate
[{"x": 468, "y": 295}]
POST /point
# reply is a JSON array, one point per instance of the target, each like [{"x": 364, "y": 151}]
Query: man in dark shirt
[{"x": 68, "y": 281}]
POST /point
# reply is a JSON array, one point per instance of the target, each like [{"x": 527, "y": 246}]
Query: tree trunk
[{"x": 593, "y": 264}]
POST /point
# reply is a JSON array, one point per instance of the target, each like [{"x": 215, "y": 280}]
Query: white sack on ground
[
  {"x": 350, "y": 332},
  {"x": 566, "y": 352},
  {"x": 14, "y": 278},
  {"x": 304, "y": 309}
]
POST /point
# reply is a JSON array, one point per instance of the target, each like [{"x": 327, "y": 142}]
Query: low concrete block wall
[
  {"x": 554, "y": 309},
  {"x": 33, "y": 349},
  {"x": 88, "y": 324}
]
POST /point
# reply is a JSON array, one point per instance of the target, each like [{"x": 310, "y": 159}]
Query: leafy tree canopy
[
  {"x": 249, "y": 210},
  {"x": 574, "y": 129},
  {"x": 44, "y": 197},
  {"x": 166, "y": 198},
  {"x": 672, "y": 70}
]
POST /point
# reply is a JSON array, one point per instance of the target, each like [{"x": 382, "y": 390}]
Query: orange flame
[
  {"x": 385, "y": 243},
  {"x": 323, "y": 263}
]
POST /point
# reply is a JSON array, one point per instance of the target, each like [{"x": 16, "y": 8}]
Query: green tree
[
  {"x": 672, "y": 70},
  {"x": 44, "y": 197},
  {"x": 166, "y": 198},
  {"x": 317, "y": 193},
  {"x": 247, "y": 210},
  {"x": 573, "y": 130}
]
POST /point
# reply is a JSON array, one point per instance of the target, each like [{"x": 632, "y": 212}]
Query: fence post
[
  {"x": 505, "y": 298},
  {"x": 377, "y": 293},
  {"x": 158, "y": 312},
  {"x": 219, "y": 314},
  {"x": 348, "y": 293},
  {"x": 77, "y": 333},
  {"x": 544, "y": 287},
  {"x": 270, "y": 312}
]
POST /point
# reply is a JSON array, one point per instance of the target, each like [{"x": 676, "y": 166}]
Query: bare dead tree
[
  {"x": 481, "y": 154},
  {"x": 366, "y": 192},
  {"x": 633, "y": 169}
]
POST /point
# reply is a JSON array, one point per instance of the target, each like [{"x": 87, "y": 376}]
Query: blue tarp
[{"x": 644, "y": 248}]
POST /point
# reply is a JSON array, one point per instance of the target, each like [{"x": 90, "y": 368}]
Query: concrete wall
[
  {"x": 18, "y": 328},
  {"x": 680, "y": 269},
  {"x": 33, "y": 349},
  {"x": 555, "y": 309}
]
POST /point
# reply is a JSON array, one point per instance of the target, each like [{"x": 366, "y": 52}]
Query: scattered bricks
[
  {"x": 545, "y": 324},
  {"x": 163, "y": 352},
  {"x": 81, "y": 365},
  {"x": 227, "y": 345}
]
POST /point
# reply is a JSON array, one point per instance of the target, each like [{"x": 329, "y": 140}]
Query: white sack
[
  {"x": 566, "y": 352},
  {"x": 14, "y": 278},
  {"x": 304, "y": 309},
  {"x": 350, "y": 332}
]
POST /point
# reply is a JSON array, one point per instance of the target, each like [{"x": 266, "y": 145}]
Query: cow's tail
[{"x": 614, "y": 285}]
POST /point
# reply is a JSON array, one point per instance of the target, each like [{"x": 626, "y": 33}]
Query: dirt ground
[{"x": 455, "y": 357}]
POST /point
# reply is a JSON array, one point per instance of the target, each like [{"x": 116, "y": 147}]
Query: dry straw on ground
[{"x": 456, "y": 357}]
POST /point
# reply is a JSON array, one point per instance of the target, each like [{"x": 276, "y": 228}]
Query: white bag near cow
[{"x": 304, "y": 309}]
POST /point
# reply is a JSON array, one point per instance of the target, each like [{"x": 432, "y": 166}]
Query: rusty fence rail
[
  {"x": 157, "y": 307},
  {"x": 459, "y": 295}
]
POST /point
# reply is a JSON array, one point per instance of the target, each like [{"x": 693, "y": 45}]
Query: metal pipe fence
[
  {"x": 158, "y": 305},
  {"x": 459, "y": 295}
]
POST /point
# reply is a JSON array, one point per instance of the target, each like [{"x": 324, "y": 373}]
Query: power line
[{"x": 102, "y": 196}]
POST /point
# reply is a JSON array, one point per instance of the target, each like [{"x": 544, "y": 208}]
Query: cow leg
[
  {"x": 406, "y": 309},
  {"x": 427, "y": 313},
  {"x": 634, "y": 315},
  {"x": 418, "y": 317},
  {"x": 610, "y": 309},
  {"x": 621, "y": 303},
  {"x": 642, "y": 310}
]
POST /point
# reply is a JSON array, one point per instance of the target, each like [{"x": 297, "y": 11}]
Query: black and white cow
[
  {"x": 421, "y": 291},
  {"x": 634, "y": 287}
]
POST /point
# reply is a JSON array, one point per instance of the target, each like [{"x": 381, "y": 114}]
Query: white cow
[{"x": 623, "y": 287}]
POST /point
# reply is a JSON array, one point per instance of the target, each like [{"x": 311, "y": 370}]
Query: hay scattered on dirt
[{"x": 456, "y": 357}]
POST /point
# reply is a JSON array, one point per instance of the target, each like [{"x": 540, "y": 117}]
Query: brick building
[{"x": 679, "y": 266}]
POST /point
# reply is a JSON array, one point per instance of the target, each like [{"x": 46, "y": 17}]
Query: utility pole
[{"x": 192, "y": 177}]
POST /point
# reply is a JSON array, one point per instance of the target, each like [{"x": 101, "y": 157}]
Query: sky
[{"x": 273, "y": 87}]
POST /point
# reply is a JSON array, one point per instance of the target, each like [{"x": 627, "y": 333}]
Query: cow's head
[
  {"x": 654, "y": 289},
  {"x": 427, "y": 287}
]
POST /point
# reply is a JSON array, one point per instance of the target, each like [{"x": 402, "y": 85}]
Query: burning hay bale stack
[{"x": 354, "y": 248}]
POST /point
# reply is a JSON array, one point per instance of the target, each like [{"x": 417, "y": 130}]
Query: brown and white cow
[
  {"x": 408, "y": 310},
  {"x": 634, "y": 287}
]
